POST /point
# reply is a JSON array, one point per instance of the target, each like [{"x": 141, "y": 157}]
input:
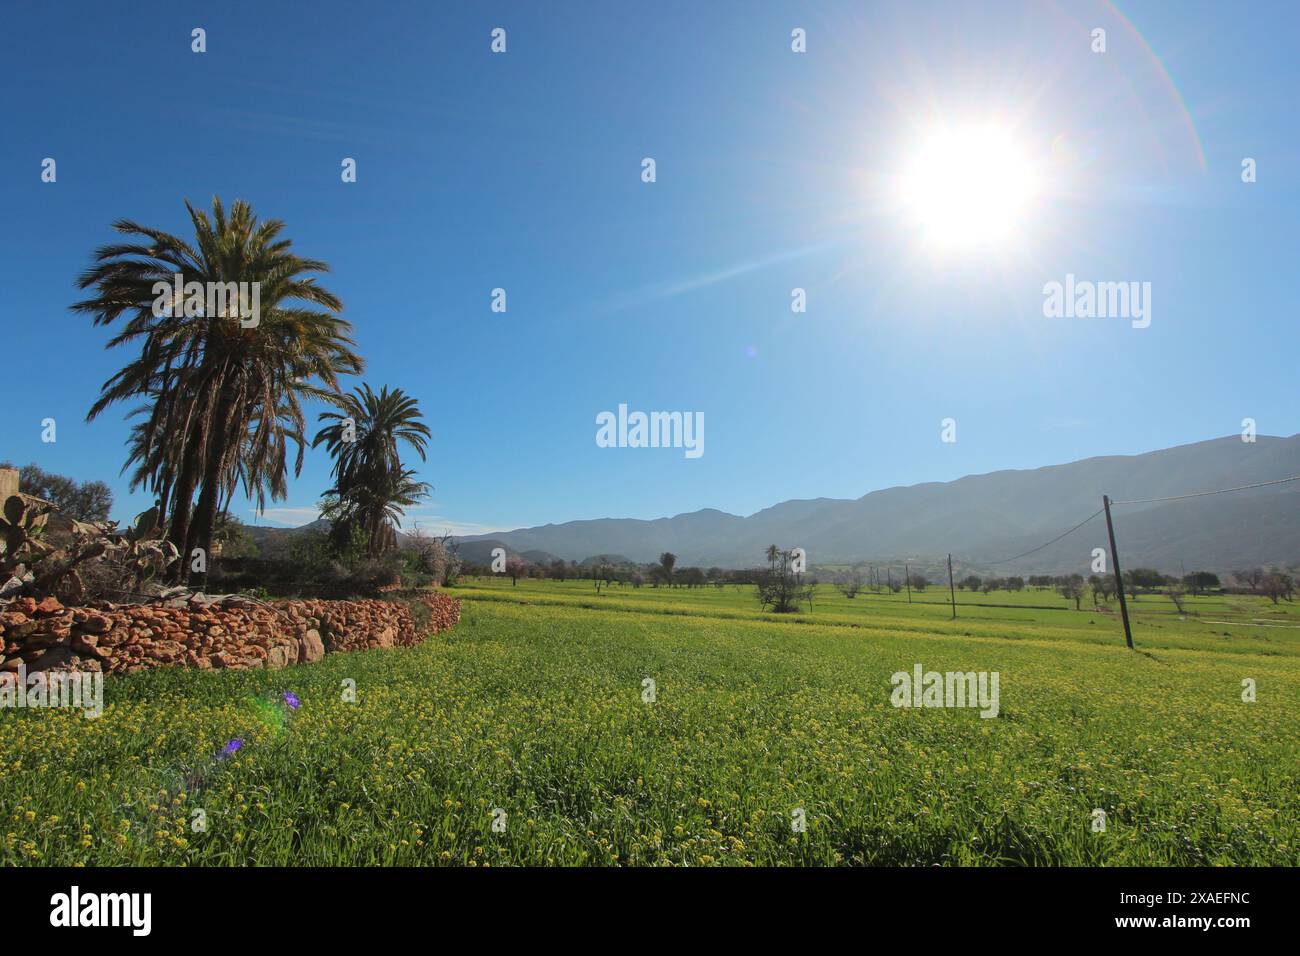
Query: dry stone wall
[{"x": 235, "y": 633}]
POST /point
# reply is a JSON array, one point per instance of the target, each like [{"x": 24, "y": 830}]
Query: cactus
[
  {"x": 29, "y": 566},
  {"x": 21, "y": 524},
  {"x": 144, "y": 526}
]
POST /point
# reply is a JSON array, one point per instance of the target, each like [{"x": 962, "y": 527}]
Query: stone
[
  {"x": 96, "y": 624},
  {"x": 310, "y": 646},
  {"x": 54, "y": 657},
  {"x": 19, "y": 631},
  {"x": 44, "y": 639},
  {"x": 282, "y": 654}
]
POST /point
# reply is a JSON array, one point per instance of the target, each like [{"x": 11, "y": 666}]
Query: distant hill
[
  {"x": 540, "y": 557},
  {"x": 480, "y": 551},
  {"x": 262, "y": 535},
  {"x": 983, "y": 518}
]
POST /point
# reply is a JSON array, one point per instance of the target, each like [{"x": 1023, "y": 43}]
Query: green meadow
[{"x": 558, "y": 725}]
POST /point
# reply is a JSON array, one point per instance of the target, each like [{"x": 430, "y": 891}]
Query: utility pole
[
  {"x": 1119, "y": 580},
  {"x": 952, "y": 593},
  {"x": 907, "y": 570},
  {"x": 889, "y": 579}
]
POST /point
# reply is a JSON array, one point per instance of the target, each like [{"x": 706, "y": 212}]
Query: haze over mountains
[{"x": 981, "y": 519}]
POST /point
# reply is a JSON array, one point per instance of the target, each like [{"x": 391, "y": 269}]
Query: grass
[{"x": 533, "y": 705}]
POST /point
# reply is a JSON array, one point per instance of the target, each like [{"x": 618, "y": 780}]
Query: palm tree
[
  {"x": 151, "y": 454},
  {"x": 371, "y": 486},
  {"x": 223, "y": 400}
]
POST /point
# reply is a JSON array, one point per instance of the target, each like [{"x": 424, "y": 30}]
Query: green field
[{"x": 533, "y": 705}]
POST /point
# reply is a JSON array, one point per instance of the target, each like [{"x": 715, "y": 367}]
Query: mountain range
[{"x": 984, "y": 519}]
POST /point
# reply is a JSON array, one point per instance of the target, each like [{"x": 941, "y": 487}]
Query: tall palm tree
[
  {"x": 222, "y": 400},
  {"x": 371, "y": 486}
]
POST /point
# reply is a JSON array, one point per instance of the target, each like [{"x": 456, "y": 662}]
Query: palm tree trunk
[
  {"x": 183, "y": 497},
  {"x": 205, "y": 513}
]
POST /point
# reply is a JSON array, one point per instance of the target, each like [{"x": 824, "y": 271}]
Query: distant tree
[
  {"x": 1278, "y": 585},
  {"x": 1015, "y": 584},
  {"x": 849, "y": 583},
  {"x": 717, "y": 577},
  {"x": 972, "y": 582},
  {"x": 559, "y": 571},
  {"x": 517, "y": 568},
  {"x": 1071, "y": 589},
  {"x": 1143, "y": 578},
  {"x": 438, "y": 557},
  {"x": 1198, "y": 582},
  {"x": 667, "y": 561},
  {"x": 780, "y": 587},
  {"x": 691, "y": 577},
  {"x": 1252, "y": 578},
  {"x": 1103, "y": 587},
  {"x": 84, "y": 501},
  {"x": 919, "y": 581}
]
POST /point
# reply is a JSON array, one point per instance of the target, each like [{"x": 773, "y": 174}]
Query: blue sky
[{"x": 775, "y": 170}]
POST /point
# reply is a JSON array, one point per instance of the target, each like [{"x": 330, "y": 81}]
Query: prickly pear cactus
[
  {"x": 20, "y": 530},
  {"x": 29, "y": 566}
]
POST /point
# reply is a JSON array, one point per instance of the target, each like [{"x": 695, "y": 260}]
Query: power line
[
  {"x": 1026, "y": 554},
  {"x": 1139, "y": 501},
  {"x": 1202, "y": 494}
]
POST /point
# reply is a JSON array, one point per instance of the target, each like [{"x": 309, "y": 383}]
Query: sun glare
[{"x": 969, "y": 186}]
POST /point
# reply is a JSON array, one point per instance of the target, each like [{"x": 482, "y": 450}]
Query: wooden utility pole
[
  {"x": 1119, "y": 579},
  {"x": 951, "y": 592},
  {"x": 889, "y": 578},
  {"x": 907, "y": 571}
]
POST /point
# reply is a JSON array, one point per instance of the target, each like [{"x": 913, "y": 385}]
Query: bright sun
[{"x": 969, "y": 186}]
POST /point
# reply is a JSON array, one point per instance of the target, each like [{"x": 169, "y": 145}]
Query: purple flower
[
  {"x": 232, "y": 747},
  {"x": 291, "y": 700}
]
